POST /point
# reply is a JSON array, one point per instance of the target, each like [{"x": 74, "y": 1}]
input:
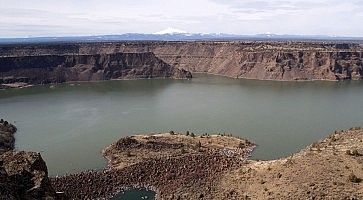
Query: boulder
[{"x": 24, "y": 175}]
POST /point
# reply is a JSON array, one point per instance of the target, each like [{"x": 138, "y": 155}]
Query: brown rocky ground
[
  {"x": 175, "y": 165},
  {"x": 134, "y": 149},
  {"x": 329, "y": 169}
]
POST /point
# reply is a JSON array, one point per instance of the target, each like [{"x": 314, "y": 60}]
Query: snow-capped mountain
[{"x": 171, "y": 31}]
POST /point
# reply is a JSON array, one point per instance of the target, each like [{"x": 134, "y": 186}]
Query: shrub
[
  {"x": 315, "y": 145},
  {"x": 352, "y": 153},
  {"x": 353, "y": 178},
  {"x": 289, "y": 160},
  {"x": 192, "y": 134},
  {"x": 128, "y": 153},
  {"x": 245, "y": 170},
  {"x": 187, "y": 133},
  {"x": 199, "y": 145},
  {"x": 241, "y": 145},
  {"x": 355, "y": 153}
]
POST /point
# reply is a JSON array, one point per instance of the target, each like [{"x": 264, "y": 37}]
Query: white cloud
[{"x": 82, "y": 17}]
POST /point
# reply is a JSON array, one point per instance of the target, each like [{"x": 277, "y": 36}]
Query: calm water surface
[
  {"x": 71, "y": 124},
  {"x": 136, "y": 194}
]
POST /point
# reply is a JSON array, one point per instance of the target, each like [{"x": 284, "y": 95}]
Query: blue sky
[{"x": 24, "y": 18}]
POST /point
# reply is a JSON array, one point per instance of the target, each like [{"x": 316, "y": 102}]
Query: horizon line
[{"x": 186, "y": 34}]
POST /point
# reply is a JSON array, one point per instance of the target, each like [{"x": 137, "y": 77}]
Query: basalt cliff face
[
  {"x": 253, "y": 60},
  {"x": 7, "y": 139},
  {"x": 42, "y": 69},
  {"x": 267, "y": 61},
  {"x": 23, "y": 175}
]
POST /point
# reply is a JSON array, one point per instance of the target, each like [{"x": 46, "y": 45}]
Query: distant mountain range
[{"x": 175, "y": 35}]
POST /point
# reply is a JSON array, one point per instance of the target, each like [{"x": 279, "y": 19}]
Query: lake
[{"x": 71, "y": 123}]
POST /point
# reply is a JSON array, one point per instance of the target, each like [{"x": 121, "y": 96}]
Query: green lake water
[
  {"x": 71, "y": 124},
  {"x": 135, "y": 194}
]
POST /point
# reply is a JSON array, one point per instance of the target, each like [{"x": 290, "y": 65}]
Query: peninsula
[{"x": 190, "y": 166}]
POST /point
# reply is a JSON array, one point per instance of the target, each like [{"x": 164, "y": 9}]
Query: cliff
[
  {"x": 23, "y": 175},
  {"x": 252, "y": 60},
  {"x": 43, "y": 69},
  {"x": 267, "y": 61},
  {"x": 7, "y": 139}
]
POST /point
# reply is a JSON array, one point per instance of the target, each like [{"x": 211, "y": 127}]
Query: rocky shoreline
[
  {"x": 176, "y": 166},
  {"x": 187, "y": 166},
  {"x": 327, "y": 169},
  {"x": 330, "y": 168}
]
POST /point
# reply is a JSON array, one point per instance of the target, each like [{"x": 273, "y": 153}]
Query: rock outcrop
[
  {"x": 252, "y": 60},
  {"x": 7, "y": 139},
  {"x": 24, "y": 175},
  {"x": 45, "y": 69}
]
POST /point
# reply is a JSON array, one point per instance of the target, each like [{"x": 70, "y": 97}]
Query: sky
[{"x": 34, "y": 18}]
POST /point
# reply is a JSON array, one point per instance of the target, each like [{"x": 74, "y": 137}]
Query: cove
[
  {"x": 135, "y": 194},
  {"x": 71, "y": 123}
]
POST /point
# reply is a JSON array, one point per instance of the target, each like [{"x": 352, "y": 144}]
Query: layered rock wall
[
  {"x": 42, "y": 69},
  {"x": 254, "y": 60}
]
